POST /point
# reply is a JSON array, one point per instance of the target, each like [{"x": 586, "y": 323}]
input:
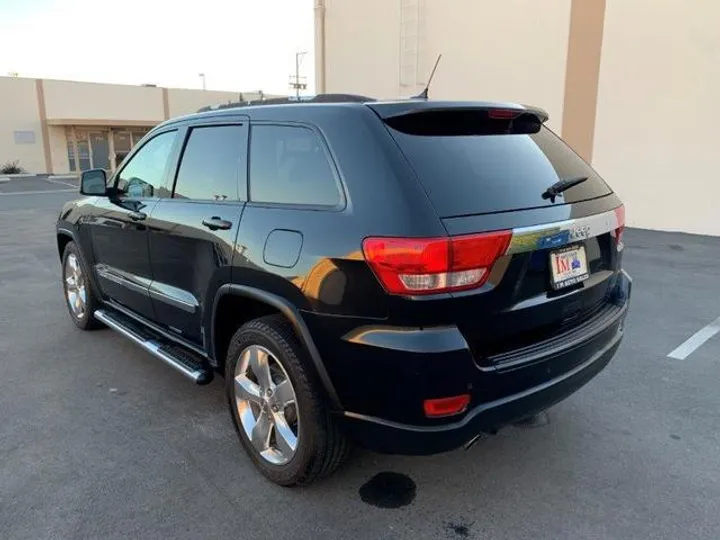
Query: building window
[
  {"x": 136, "y": 136},
  {"x": 24, "y": 137},
  {"x": 123, "y": 144},
  {"x": 71, "y": 155},
  {"x": 83, "y": 155},
  {"x": 94, "y": 147},
  {"x": 100, "y": 147}
]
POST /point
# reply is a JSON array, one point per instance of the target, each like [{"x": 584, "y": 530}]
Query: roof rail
[{"x": 319, "y": 98}]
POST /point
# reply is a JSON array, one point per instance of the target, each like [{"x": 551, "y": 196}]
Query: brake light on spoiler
[{"x": 415, "y": 266}]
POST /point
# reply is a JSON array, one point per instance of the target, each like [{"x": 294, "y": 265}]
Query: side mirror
[{"x": 93, "y": 182}]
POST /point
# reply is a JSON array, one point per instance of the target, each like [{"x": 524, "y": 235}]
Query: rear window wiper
[{"x": 561, "y": 185}]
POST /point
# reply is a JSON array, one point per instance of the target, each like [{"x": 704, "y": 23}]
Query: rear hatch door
[{"x": 488, "y": 167}]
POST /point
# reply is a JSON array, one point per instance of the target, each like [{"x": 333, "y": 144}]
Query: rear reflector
[
  {"x": 620, "y": 215},
  {"x": 415, "y": 266},
  {"x": 435, "y": 408}
]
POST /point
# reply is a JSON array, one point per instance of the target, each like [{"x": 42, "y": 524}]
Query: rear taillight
[
  {"x": 432, "y": 265},
  {"x": 620, "y": 215}
]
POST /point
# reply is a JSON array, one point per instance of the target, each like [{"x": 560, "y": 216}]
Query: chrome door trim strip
[
  {"x": 174, "y": 296},
  {"x": 560, "y": 233},
  {"x": 125, "y": 279},
  {"x": 162, "y": 292}
]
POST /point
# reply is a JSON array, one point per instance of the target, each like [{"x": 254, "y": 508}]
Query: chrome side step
[{"x": 173, "y": 355}]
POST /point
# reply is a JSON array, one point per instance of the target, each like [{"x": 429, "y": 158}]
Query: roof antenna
[{"x": 424, "y": 93}]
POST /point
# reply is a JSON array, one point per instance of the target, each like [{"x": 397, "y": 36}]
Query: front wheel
[
  {"x": 79, "y": 297},
  {"x": 277, "y": 405}
]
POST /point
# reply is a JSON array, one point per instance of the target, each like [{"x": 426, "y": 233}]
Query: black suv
[{"x": 407, "y": 275}]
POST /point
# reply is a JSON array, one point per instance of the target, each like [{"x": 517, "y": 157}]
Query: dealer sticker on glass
[{"x": 568, "y": 266}]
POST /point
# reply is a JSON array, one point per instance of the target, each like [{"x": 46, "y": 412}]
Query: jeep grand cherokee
[{"x": 404, "y": 274}]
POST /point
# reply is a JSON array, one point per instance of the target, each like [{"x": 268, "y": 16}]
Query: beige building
[
  {"x": 61, "y": 127},
  {"x": 630, "y": 84}
]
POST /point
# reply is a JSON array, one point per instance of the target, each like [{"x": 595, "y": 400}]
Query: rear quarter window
[
  {"x": 289, "y": 165},
  {"x": 477, "y": 174}
]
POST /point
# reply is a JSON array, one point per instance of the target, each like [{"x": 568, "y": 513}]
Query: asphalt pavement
[{"x": 98, "y": 440}]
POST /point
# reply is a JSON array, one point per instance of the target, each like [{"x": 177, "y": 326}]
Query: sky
[{"x": 240, "y": 45}]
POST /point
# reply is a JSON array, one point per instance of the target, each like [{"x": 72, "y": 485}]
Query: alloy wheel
[
  {"x": 266, "y": 405},
  {"x": 75, "y": 291}
]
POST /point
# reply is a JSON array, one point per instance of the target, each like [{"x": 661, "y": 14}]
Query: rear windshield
[{"x": 483, "y": 173}]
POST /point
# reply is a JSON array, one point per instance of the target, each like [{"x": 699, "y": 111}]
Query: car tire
[
  {"x": 320, "y": 446},
  {"x": 80, "y": 300}
]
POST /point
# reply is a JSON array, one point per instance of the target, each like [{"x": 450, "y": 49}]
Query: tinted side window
[
  {"x": 210, "y": 164},
  {"x": 289, "y": 165},
  {"x": 144, "y": 174}
]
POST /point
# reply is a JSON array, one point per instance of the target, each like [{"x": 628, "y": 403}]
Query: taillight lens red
[
  {"x": 415, "y": 266},
  {"x": 620, "y": 215},
  {"x": 435, "y": 408}
]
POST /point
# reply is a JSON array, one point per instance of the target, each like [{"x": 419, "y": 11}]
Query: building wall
[
  {"x": 630, "y": 84},
  {"x": 70, "y": 100},
  {"x": 58, "y": 150},
  {"x": 184, "y": 101},
  {"x": 515, "y": 50},
  {"x": 19, "y": 102},
  {"x": 362, "y": 47},
  {"x": 86, "y": 105},
  {"x": 656, "y": 141}
]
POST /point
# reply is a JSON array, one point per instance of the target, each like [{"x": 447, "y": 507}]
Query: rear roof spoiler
[{"x": 390, "y": 109}]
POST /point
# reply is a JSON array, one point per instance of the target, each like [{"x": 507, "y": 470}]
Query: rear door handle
[
  {"x": 137, "y": 216},
  {"x": 214, "y": 223}
]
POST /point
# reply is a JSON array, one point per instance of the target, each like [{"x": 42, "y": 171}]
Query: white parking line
[
  {"x": 694, "y": 341},
  {"x": 53, "y": 181},
  {"x": 39, "y": 192}
]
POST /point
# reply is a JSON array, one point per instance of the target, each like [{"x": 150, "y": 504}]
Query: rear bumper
[
  {"x": 396, "y": 438},
  {"x": 433, "y": 363}
]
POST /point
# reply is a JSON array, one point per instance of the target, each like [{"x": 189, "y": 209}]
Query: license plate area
[{"x": 568, "y": 267}]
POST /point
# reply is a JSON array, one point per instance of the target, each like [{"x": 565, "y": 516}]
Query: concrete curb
[
  {"x": 62, "y": 177},
  {"x": 19, "y": 175}
]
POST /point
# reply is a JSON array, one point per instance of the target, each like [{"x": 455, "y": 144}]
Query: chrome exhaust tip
[{"x": 468, "y": 445}]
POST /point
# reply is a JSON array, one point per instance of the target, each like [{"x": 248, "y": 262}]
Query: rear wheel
[
  {"x": 277, "y": 405},
  {"x": 79, "y": 298}
]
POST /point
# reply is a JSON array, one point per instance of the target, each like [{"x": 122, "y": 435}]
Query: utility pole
[
  {"x": 296, "y": 81},
  {"x": 202, "y": 76}
]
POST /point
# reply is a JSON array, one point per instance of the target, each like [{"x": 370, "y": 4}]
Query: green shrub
[{"x": 11, "y": 167}]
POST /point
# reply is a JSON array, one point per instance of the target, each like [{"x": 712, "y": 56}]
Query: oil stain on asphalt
[
  {"x": 395, "y": 490},
  {"x": 457, "y": 529},
  {"x": 388, "y": 490}
]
